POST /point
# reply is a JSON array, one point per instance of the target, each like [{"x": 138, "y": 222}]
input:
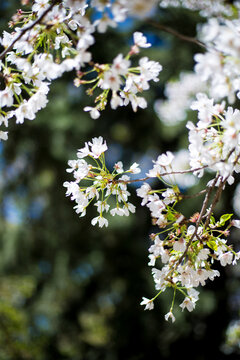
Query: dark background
[{"x": 72, "y": 291}]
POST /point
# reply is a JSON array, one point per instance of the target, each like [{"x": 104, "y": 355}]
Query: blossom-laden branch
[
  {"x": 27, "y": 28},
  {"x": 36, "y": 53},
  {"x": 190, "y": 249},
  {"x": 187, "y": 247},
  {"x": 55, "y": 38}
]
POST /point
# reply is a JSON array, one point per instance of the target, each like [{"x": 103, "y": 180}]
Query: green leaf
[
  {"x": 171, "y": 216},
  {"x": 224, "y": 218},
  {"x": 176, "y": 189},
  {"x": 212, "y": 245},
  {"x": 212, "y": 220}
]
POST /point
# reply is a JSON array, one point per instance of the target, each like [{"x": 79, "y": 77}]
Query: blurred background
[{"x": 70, "y": 291}]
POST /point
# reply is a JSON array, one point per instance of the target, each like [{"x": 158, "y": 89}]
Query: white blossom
[
  {"x": 94, "y": 113},
  {"x": 188, "y": 303},
  {"x": 100, "y": 220},
  {"x": 170, "y": 315},
  {"x": 140, "y": 40},
  {"x": 226, "y": 258},
  {"x": 3, "y": 135},
  {"x": 149, "y": 305}
]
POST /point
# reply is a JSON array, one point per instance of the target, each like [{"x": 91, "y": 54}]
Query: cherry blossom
[{"x": 183, "y": 250}]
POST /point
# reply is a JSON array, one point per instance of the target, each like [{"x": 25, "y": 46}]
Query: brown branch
[
  {"x": 202, "y": 212},
  {"x": 219, "y": 191},
  {"x": 28, "y": 28},
  {"x": 215, "y": 201},
  {"x": 179, "y": 172},
  {"x": 183, "y": 196},
  {"x": 176, "y": 33}
]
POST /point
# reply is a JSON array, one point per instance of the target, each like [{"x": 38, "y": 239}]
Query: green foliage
[{"x": 224, "y": 218}]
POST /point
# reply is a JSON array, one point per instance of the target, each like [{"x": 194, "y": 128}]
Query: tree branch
[
  {"x": 176, "y": 33},
  {"x": 193, "y": 195},
  {"x": 215, "y": 200},
  {"x": 27, "y": 28},
  {"x": 177, "y": 172},
  {"x": 202, "y": 212}
]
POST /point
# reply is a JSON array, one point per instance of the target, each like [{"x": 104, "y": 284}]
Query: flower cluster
[
  {"x": 180, "y": 95},
  {"x": 206, "y": 7},
  {"x": 191, "y": 246},
  {"x": 219, "y": 65},
  {"x": 39, "y": 51},
  {"x": 216, "y": 71},
  {"x": 123, "y": 80},
  {"x": 186, "y": 247},
  {"x": 214, "y": 140},
  {"x": 55, "y": 38},
  {"x": 187, "y": 254},
  {"x": 94, "y": 183}
]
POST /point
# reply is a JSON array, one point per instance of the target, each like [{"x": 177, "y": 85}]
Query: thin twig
[
  {"x": 202, "y": 212},
  {"x": 193, "y": 195},
  {"x": 176, "y": 33},
  {"x": 179, "y": 172},
  {"x": 215, "y": 201}
]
